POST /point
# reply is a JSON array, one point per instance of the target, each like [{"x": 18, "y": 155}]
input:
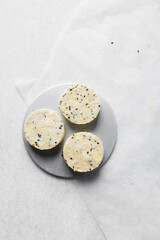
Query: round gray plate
[{"x": 104, "y": 127}]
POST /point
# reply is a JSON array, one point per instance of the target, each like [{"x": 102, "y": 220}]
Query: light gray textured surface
[
  {"x": 104, "y": 127},
  {"x": 33, "y": 205}
]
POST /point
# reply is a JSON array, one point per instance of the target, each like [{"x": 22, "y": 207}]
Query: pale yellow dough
[
  {"x": 44, "y": 129},
  {"x": 80, "y": 104},
  {"x": 83, "y": 152}
]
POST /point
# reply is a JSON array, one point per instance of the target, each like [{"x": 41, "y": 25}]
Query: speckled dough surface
[
  {"x": 80, "y": 104},
  {"x": 83, "y": 152},
  {"x": 44, "y": 129}
]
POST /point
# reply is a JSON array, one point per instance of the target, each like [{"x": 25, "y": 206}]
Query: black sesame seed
[
  {"x": 84, "y": 96},
  {"x": 86, "y": 104},
  {"x": 99, "y": 105},
  {"x": 69, "y": 107},
  {"x": 50, "y": 139},
  {"x": 77, "y": 98},
  {"x": 55, "y": 142},
  {"x": 68, "y": 117},
  {"x": 39, "y": 135},
  {"x": 97, "y": 142},
  {"x": 36, "y": 143},
  {"x": 137, "y": 51},
  {"x": 71, "y": 158},
  {"x": 86, "y": 89},
  {"x": 76, "y": 109},
  {"x": 84, "y": 135},
  {"x": 87, "y": 152},
  {"x": 111, "y": 42}
]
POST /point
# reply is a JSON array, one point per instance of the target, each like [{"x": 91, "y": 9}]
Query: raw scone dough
[
  {"x": 80, "y": 104},
  {"x": 44, "y": 129},
  {"x": 83, "y": 152}
]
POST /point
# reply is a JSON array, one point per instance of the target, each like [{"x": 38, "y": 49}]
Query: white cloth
[{"x": 113, "y": 46}]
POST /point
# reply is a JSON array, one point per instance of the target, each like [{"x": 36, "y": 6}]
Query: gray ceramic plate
[{"x": 104, "y": 127}]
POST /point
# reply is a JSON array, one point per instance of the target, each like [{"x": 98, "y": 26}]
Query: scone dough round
[
  {"x": 44, "y": 129},
  {"x": 80, "y": 104},
  {"x": 83, "y": 152}
]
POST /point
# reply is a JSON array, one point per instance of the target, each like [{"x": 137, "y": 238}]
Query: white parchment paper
[{"x": 114, "y": 47}]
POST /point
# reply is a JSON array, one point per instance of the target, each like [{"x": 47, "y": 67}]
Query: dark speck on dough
[{"x": 39, "y": 135}]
